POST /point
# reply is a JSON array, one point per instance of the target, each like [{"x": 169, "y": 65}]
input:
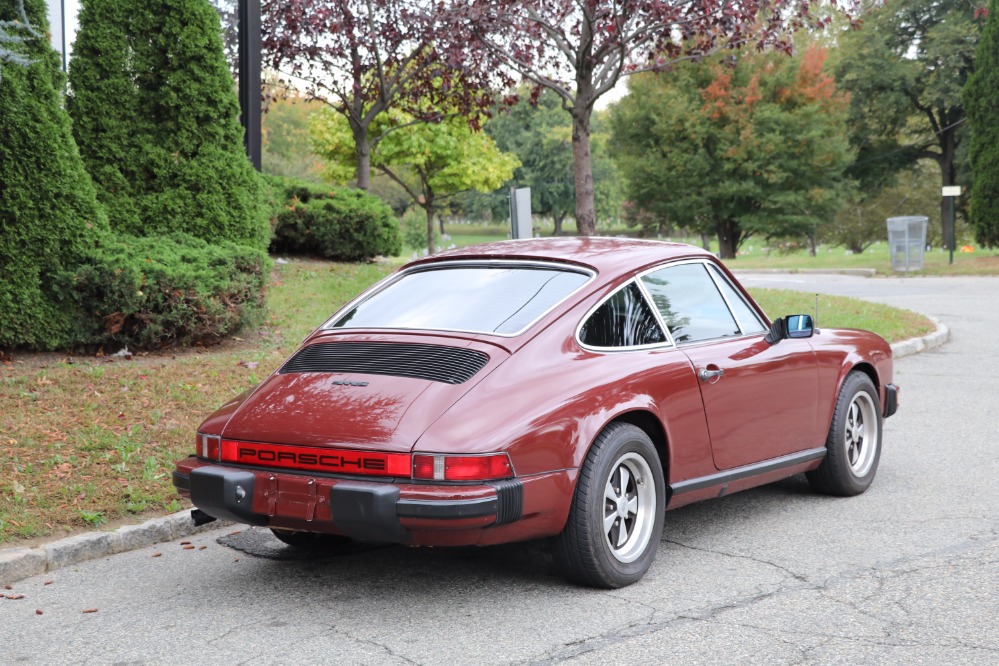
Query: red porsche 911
[{"x": 573, "y": 388}]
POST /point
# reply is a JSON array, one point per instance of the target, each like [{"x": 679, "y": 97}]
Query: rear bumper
[{"x": 375, "y": 510}]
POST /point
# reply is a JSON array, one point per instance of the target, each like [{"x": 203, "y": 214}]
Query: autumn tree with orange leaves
[{"x": 759, "y": 148}]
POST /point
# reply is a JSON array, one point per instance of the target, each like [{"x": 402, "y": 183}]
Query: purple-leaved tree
[{"x": 581, "y": 48}]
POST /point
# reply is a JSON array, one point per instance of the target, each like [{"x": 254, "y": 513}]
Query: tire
[
  {"x": 613, "y": 531},
  {"x": 312, "y": 541},
  {"x": 853, "y": 446}
]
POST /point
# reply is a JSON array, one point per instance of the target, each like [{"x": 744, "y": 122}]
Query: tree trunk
[
  {"x": 582, "y": 172},
  {"x": 811, "y": 244},
  {"x": 362, "y": 146},
  {"x": 706, "y": 241},
  {"x": 728, "y": 238},
  {"x": 558, "y": 219},
  {"x": 429, "y": 208},
  {"x": 948, "y": 148}
]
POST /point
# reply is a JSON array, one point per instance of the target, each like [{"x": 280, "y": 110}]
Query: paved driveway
[{"x": 906, "y": 573}]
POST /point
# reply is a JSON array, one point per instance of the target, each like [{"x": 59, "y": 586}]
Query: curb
[
  {"x": 20, "y": 563},
  {"x": 927, "y": 342},
  {"x": 857, "y": 272}
]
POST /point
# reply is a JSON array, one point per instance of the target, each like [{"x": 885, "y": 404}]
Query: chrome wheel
[
  {"x": 861, "y": 434},
  {"x": 615, "y": 522},
  {"x": 629, "y": 507},
  {"x": 853, "y": 446}
]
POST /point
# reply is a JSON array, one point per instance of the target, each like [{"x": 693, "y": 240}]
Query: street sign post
[{"x": 952, "y": 191}]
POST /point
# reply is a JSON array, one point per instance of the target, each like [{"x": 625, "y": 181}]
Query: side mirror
[
  {"x": 792, "y": 326},
  {"x": 799, "y": 326}
]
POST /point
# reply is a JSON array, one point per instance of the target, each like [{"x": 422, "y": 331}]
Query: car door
[{"x": 760, "y": 400}]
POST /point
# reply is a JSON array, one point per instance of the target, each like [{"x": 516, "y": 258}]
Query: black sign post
[{"x": 249, "y": 77}]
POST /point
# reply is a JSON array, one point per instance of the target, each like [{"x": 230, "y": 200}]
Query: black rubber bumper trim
[
  {"x": 510, "y": 496},
  {"x": 226, "y": 494},
  {"x": 367, "y": 511},
  {"x": 891, "y": 399},
  {"x": 445, "y": 509},
  {"x": 181, "y": 482}
]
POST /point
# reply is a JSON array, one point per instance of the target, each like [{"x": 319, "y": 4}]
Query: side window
[
  {"x": 748, "y": 319},
  {"x": 624, "y": 320},
  {"x": 690, "y": 303}
]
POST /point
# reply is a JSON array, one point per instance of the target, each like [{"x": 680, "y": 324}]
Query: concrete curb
[
  {"x": 20, "y": 563},
  {"x": 927, "y": 342},
  {"x": 857, "y": 272}
]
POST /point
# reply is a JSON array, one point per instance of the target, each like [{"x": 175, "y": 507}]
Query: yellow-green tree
[{"x": 431, "y": 161}]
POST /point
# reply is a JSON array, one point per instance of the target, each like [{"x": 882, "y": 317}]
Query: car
[{"x": 565, "y": 388}]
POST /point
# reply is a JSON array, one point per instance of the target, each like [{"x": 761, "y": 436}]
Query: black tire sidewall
[
  {"x": 624, "y": 440},
  {"x": 836, "y": 455}
]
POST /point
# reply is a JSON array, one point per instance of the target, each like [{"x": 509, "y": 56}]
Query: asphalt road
[{"x": 907, "y": 573}]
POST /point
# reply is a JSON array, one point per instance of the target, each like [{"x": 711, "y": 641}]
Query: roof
[{"x": 608, "y": 256}]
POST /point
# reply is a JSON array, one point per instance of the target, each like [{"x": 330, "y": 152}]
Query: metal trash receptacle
[{"x": 907, "y": 242}]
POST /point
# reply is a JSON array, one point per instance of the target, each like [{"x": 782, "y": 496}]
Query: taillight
[
  {"x": 208, "y": 446},
  {"x": 440, "y": 467}
]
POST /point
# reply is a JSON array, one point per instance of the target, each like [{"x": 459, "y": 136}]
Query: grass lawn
[{"x": 91, "y": 441}]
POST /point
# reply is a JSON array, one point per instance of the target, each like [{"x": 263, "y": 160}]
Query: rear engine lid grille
[{"x": 450, "y": 365}]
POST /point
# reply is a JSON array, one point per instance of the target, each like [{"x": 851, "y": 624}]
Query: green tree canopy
[
  {"x": 157, "y": 119},
  {"x": 904, "y": 71},
  {"x": 49, "y": 214},
  {"x": 540, "y": 135},
  {"x": 981, "y": 99},
  {"x": 431, "y": 161},
  {"x": 755, "y": 149}
]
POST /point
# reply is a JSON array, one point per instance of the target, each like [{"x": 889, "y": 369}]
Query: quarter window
[
  {"x": 690, "y": 303},
  {"x": 748, "y": 320},
  {"x": 624, "y": 320}
]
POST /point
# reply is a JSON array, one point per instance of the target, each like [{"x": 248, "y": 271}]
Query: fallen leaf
[
  {"x": 8, "y": 586},
  {"x": 48, "y": 582},
  {"x": 38, "y": 611},
  {"x": 202, "y": 547},
  {"x": 89, "y": 610},
  {"x": 157, "y": 554},
  {"x": 188, "y": 547}
]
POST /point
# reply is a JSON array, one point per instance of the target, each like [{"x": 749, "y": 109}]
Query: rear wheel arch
[{"x": 652, "y": 427}]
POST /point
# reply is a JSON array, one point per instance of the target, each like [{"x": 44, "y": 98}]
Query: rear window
[{"x": 477, "y": 299}]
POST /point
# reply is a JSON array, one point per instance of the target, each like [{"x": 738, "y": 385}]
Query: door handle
[{"x": 707, "y": 375}]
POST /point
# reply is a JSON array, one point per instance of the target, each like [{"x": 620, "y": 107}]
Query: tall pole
[
  {"x": 953, "y": 233},
  {"x": 249, "y": 77}
]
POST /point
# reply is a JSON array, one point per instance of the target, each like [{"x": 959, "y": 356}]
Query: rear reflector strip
[{"x": 370, "y": 463}]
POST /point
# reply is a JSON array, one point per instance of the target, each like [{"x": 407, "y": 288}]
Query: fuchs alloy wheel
[
  {"x": 853, "y": 446},
  {"x": 313, "y": 541},
  {"x": 616, "y": 518}
]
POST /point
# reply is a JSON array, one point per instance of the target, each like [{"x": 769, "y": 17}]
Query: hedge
[
  {"x": 150, "y": 293},
  {"x": 333, "y": 223}
]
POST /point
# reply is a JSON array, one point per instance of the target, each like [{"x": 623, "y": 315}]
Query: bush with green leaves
[
  {"x": 154, "y": 292},
  {"x": 334, "y": 223},
  {"x": 49, "y": 214},
  {"x": 157, "y": 121}
]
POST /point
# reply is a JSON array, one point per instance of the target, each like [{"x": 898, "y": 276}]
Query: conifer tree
[
  {"x": 49, "y": 213},
  {"x": 171, "y": 147},
  {"x": 981, "y": 100}
]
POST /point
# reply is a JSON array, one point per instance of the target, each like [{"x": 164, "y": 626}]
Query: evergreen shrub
[
  {"x": 333, "y": 223},
  {"x": 49, "y": 213},
  {"x": 157, "y": 121},
  {"x": 154, "y": 292}
]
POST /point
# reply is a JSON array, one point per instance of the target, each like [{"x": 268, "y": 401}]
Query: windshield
[{"x": 478, "y": 299}]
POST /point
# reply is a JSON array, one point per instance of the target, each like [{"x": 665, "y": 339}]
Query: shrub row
[
  {"x": 333, "y": 223},
  {"x": 154, "y": 292}
]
